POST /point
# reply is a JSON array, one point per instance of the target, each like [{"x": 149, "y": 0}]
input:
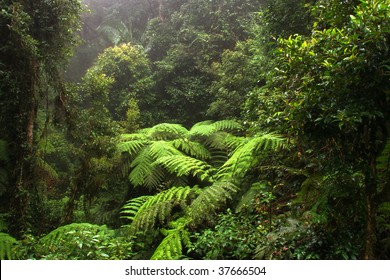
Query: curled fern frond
[{"x": 7, "y": 242}]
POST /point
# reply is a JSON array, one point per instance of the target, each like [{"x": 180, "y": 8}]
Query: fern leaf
[
  {"x": 227, "y": 125},
  {"x": 184, "y": 165},
  {"x": 145, "y": 211},
  {"x": 6, "y": 244},
  {"x": 191, "y": 148},
  {"x": 160, "y": 149},
  {"x": 167, "y": 131},
  {"x": 131, "y": 208},
  {"x": 211, "y": 199},
  {"x": 171, "y": 247},
  {"x": 132, "y": 147},
  {"x": 248, "y": 153},
  {"x": 202, "y": 130},
  {"x": 142, "y": 167}
]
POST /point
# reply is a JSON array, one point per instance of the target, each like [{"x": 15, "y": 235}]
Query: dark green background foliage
[{"x": 194, "y": 129}]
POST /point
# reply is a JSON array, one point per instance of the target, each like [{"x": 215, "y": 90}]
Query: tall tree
[{"x": 36, "y": 39}]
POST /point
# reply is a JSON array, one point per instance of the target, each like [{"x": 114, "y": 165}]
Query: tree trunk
[
  {"x": 24, "y": 151},
  {"x": 371, "y": 204}
]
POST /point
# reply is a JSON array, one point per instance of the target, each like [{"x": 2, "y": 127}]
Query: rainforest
[{"x": 194, "y": 129}]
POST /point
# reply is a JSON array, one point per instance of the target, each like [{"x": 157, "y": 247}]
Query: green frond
[
  {"x": 132, "y": 147},
  {"x": 171, "y": 247},
  {"x": 204, "y": 130},
  {"x": 144, "y": 169},
  {"x": 159, "y": 149},
  {"x": 131, "y": 208},
  {"x": 248, "y": 153},
  {"x": 191, "y": 148},
  {"x": 211, "y": 199},
  {"x": 182, "y": 165},
  {"x": 227, "y": 125},
  {"x": 145, "y": 211},
  {"x": 7, "y": 242},
  {"x": 167, "y": 131}
]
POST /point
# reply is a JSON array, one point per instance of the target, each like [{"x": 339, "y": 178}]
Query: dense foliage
[{"x": 194, "y": 129}]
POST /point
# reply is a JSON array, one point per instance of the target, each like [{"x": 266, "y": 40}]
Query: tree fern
[{"x": 7, "y": 242}]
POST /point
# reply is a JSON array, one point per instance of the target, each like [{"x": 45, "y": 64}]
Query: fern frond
[
  {"x": 131, "y": 208},
  {"x": 144, "y": 170},
  {"x": 167, "y": 131},
  {"x": 227, "y": 125},
  {"x": 184, "y": 165},
  {"x": 191, "y": 148},
  {"x": 171, "y": 247},
  {"x": 248, "y": 153},
  {"x": 7, "y": 242},
  {"x": 202, "y": 130},
  {"x": 210, "y": 199},
  {"x": 132, "y": 147},
  {"x": 145, "y": 211},
  {"x": 159, "y": 149}
]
